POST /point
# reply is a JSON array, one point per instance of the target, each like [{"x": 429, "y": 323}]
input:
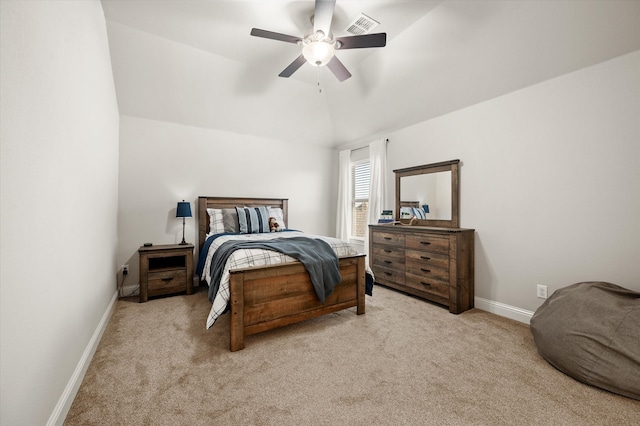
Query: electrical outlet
[
  {"x": 125, "y": 269},
  {"x": 542, "y": 291}
]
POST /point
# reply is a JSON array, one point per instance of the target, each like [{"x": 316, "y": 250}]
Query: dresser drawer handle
[
  {"x": 426, "y": 243},
  {"x": 387, "y": 238},
  {"x": 167, "y": 279},
  {"x": 388, "y": 262},
  {"x": 425, "y": 258},
  {"x": 387, "y": 273},
  {"x": 425, "y": 270},
  {"x": 387, "y": 251},
  {"x": 423, "y": 283}
]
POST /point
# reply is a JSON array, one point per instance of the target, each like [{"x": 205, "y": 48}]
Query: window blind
[{"x": 360, "y": 177}]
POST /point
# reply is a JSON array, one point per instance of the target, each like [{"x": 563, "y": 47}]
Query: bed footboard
[{"x": 264, "y": 298}]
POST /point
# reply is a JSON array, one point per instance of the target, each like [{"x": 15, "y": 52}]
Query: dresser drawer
[
  {"x": 429, "y": 243},
  {"x": 427, "y": 259},
  {"x": 388, "y": 251},
  {"x": 430, "y": 272},
  {"x": 429, "y": 283},
  {"x": 385, "y": 275},
  {"x": 388, "y": 238},
  {"x": 166, "y": 281},
  {"x": 396, "y": 263}
]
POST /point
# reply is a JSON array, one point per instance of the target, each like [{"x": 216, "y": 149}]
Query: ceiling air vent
[{"x": 362, "y": 25}]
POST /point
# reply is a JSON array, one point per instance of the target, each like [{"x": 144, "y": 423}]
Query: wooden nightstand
[{"x": 165, "y": 269}]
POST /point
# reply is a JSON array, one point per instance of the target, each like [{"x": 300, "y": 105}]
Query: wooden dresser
[{"x": 436, "y": 264}]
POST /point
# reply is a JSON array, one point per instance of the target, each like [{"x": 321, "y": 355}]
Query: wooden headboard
[{"x": 205, "y": 203}]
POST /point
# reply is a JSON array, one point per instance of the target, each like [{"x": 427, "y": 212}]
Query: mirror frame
[{"x": 444, "y": 166}]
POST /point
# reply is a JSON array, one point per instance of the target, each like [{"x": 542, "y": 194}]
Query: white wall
[
  {"x": 162, "y": 163},
  {"x": 59, "y": 132},
  {"x": 550, "y": 180}
]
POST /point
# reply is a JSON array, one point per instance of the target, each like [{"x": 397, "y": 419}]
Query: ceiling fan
[{"x": 319, "y": 48}]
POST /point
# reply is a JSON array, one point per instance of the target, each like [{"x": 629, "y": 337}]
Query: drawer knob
[
  {"x": 423, "y": 283},
  {"x": 167, "y": 279},
  {"x": 387, "y": 251},
  {"x": 388, "y": 262},
  {"x": 387, "y": 238},
  {"x": 425, "y": 258},
  {"x": 425, "y": 270},
  {"x": 426, "y": 243}
]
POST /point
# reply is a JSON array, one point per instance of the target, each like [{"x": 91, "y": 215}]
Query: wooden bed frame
[{"x": 264, "y": 298}]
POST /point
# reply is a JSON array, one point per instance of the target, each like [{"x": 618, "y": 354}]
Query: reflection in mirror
[{"x": 426, "y": 196}]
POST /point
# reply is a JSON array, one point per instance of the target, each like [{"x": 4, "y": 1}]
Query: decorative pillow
[
  {"x": 216, "y": 225},
  {"x": 230, "y": 220},
  {"x": 276, "y": 213},
  {"x": 407, "y": 212},
  {"x": 419, "y": 213},
  {"x": 253, "y": 220}
]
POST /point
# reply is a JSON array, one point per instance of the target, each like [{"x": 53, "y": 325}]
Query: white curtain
[
  {"x": 378, "y": 185},
  {"x": 343, "y": 219}
]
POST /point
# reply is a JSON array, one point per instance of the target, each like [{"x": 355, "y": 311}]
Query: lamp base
[{"x": 183, "y": 241}]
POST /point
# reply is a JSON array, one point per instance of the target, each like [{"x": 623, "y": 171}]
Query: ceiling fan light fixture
[
  {"x": 319, "y": 47},
  {"x": 318, "y": 53}
]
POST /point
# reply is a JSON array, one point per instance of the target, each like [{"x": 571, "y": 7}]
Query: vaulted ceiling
[{"x": 195, "y": 63}]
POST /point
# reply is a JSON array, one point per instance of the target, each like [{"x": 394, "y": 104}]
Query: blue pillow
[{"x": 253, "y": 220}]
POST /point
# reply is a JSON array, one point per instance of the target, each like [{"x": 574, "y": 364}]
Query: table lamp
[{"x": 183, "y": 210}]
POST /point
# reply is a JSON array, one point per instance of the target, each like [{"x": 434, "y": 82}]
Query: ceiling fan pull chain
[{"x": 319, "y": 87}]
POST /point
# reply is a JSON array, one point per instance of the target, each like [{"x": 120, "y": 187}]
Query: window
[{"x": 360, "y": 179}]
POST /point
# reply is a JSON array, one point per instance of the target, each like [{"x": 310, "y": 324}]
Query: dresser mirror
[{"x": 429, "y": 193}]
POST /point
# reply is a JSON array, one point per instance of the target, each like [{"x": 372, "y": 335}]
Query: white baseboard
[
  {"x": 66, "y": 399},
  {"x": 520, "y": 315}
]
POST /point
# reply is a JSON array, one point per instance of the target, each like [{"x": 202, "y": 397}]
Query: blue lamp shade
[
  {"x": 184, "y": 209},
  {"x": 425, "y": 207}
]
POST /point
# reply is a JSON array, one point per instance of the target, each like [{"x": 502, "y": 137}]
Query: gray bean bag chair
[{"x": 591, "y": 332}]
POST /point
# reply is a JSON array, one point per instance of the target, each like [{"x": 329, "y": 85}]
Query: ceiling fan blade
[
  {"x": 323, "y": 15},
  {"x": 274, "y": 36},
  {"x": 338, "y": 69},
  {"x": 293, "y": 67},
  {"x": 360, "y": 41}
]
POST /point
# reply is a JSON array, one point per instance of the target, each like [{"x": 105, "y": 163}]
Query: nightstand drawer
[{"x": 166, "y": 281}]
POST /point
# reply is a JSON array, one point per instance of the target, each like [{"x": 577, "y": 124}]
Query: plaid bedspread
[{"x": 245, "y": 258}]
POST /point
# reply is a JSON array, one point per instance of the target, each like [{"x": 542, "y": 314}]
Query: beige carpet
[{"x": 404, "y": 362}]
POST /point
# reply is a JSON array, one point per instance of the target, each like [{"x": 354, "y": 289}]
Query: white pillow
[
  {"x": 276, "y": 212},
  {"x": 216, "y": 225}
]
